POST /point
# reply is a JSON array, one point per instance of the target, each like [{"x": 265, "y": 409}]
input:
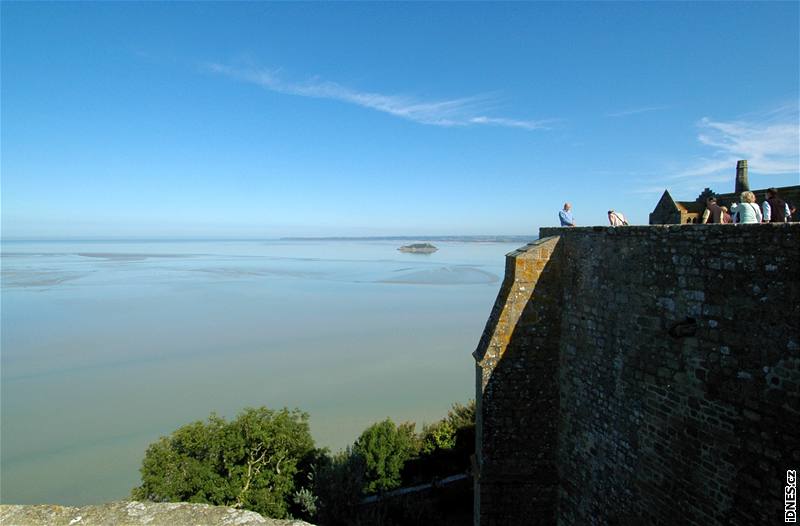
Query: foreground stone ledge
[{"x": 134, "y": 513}]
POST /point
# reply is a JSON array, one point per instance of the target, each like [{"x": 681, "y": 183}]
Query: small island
[{"x": 419, "y": 248}]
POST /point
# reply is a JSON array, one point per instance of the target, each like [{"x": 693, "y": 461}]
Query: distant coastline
[{"x": 462, "y": 239}]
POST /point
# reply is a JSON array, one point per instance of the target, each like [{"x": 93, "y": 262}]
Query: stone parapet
[
  {"x": 516, "y": 363},
  {"x": 642, "y": 374}
]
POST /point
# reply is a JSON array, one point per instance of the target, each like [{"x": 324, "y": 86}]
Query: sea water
[{"x": 108, "y": 345}]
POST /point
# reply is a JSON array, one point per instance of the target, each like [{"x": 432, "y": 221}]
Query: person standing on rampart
[
  {"x": 565, "y": 216},
  {"x": 713, "y": 212},
  {"x": 774, "y": 209}
]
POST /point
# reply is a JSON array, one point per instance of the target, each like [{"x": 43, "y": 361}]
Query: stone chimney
[{"x": 742, "y": 185}]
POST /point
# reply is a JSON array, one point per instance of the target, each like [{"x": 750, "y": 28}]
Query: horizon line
[{"x": 281, "y": 238}]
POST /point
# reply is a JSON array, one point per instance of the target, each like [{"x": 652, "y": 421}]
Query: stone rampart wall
[
  {"x": 517, "y": 364},
  {"x": 676, "y": 357}
]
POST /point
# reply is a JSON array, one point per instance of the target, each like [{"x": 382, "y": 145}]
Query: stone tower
[{"x": 742, "y": 185}]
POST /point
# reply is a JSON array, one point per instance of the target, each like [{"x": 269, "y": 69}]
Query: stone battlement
[{"x": 642, "y": 374}]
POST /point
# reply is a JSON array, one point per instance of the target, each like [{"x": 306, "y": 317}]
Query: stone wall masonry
[
  {"x": 517, "y": 361},
  {"x": 676, "y": 355}
]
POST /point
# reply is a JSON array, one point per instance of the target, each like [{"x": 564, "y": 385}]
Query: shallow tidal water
[{"x": 106, "y": 346}]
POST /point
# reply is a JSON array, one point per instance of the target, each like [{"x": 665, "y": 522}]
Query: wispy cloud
[
  {"x": 770, "y": 141},
  {"x": 770, "y": 144},
  {"x": 464, "y": 111},
  {"x": 513, "y": 123},
  {"x": 634, "y": 111},
  {"x": 705, "y": 167}
]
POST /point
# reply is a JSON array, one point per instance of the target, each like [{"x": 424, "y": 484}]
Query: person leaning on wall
[
  {"x": 617, "y": 218},
  {"x": 713, "y": 212},
  {"x": 774, "y": 209},
  {"x": 725, "y": 217},
  {"x": 792, "y": 211},
  {"x": 746, "y": 211}
]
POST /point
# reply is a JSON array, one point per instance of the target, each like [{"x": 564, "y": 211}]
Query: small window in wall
[{"x": 688, "y": 219}]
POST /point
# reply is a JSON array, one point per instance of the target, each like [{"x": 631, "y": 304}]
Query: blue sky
[{"x": 274, "y": 119}]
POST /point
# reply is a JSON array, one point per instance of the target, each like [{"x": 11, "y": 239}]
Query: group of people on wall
[
  {"x": 772, "y": 210},
  {"x": 566, "y": 218}
]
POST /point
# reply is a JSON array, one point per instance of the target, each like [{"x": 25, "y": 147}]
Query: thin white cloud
[
  {"x": 770, "y": 147},
  {"x": 453, "y": 112},
  {"x": 635, "y": 111},
  {"x": 514, "y": 123},
  {"x": 705, "y": 167},
  {"x": 769, "y": 140}
]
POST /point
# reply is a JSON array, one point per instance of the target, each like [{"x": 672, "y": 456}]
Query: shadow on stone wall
[{"x": 518, "y": 359}]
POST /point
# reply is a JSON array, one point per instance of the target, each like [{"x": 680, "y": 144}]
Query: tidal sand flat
[
  {"x": 102, "y": 354},
  {"x": 111, "y": 256},
  {"x": 443, "y": 276},
  {"x": 38, "y": 278}
]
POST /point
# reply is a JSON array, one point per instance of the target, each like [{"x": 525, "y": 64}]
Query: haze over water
[{"x": 108, "y": 345}]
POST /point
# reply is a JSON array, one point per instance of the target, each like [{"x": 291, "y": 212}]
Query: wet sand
[{"x": 107, "y": 346}]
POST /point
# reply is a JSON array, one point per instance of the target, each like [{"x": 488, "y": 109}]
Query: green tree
[
  {"x": 250, "y": 462},
  {"x": 443, "y": 433},
  {"x": 339, "y": 487},
  {"x": 439, "y": 435},
  {"x": 384, "y": 448}
]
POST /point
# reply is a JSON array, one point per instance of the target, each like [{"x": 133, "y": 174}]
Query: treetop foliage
[
  {"x": 442, "y": 433},
  {"x": 385, "y": 447},
  {"x": 265, "y": 460},
  {"x": 250, "y": 462}
]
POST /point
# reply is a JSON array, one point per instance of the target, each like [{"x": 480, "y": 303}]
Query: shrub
[
  {"x": 442, "y": 434},
  {"x": 339, "y": 487},
  {"x": 250, "y": 462},
  {"x": 384, "y": 449}
]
